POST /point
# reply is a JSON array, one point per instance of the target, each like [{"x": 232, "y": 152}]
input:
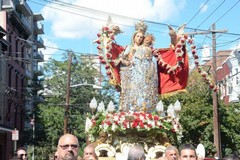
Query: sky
[{"x": 74, "y": 24}]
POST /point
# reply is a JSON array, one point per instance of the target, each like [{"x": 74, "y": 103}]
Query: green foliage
[
  {"x": 196, "y": 117},
  {"x": 50, "y": 113}
]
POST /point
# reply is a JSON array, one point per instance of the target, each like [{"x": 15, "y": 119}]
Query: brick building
[{"x": 19, "y": 53}]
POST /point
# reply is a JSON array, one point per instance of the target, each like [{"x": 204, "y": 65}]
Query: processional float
[{"x": 112, "y": 132}]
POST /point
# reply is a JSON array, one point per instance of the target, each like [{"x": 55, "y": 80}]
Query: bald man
[
  {"x": 136, "y": 153},
  {"x": 68, "y": 147}
]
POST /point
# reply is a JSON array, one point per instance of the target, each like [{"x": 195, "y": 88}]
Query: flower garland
[
  {"x": 105, "y": 40},
  {"x": 179, "y": 54},
  {"x": 106, "y": 36},
  {"x": 139, "y": 121},
  {"x": 203, "y": 73}
]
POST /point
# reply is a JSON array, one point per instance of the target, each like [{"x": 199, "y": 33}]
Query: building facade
[
  {"x": 19, "y": 65},
  {"x": 228, "y": 74},
  {"x": 229, "y": 77}
]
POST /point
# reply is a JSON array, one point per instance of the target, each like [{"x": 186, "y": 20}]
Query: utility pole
[
  {"x": 66, "y": 114},
  {"x": 216, "y": 125}
]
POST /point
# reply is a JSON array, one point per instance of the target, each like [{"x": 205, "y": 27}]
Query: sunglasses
[
  {"x": 66, "y": 146},
  {"x": 21, "y": 155}
]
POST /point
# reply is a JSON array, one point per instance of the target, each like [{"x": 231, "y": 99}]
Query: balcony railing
[
  {"x": 24, "y": 7},
  {"x": 38, "y": 28},
  {"x": 40, "y": 43},
  {"x": 37, "y": 17},
  {"x": 38, "y": 55}
]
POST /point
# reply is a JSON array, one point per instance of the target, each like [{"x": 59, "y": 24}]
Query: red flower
[
  {"x": 100, "y": 57},
  {"x": 149, "y": 125},
  {"x": 99, "y": 47},
  {"x": 204, "y": 75},
  {"x": 112, "y": 37},
  {"x": 93, "y": 122},
  {"x": 109, "y": 73},
  {"x": 98, "y": 34},
  {"x": 211, "y": 86},
  {"x": 105, "y": 28},
  {"x": 196, "y": 56},
  {"x": 141, "y": 124},
  {"x": 109, "y": 55},
  {"x": 193, "y": 51},
  {"x": 109, "y": 123},
  {"x": 134, "y": 124},
  {"x": 156, "y": 118},
  {"x": 103, "y": 61},
  {"x": 190, "y": 41},
  {"x": 98, "y": 41},
  {"x": 179, "y": 58},
  {"x": 182, "y": 40},
  {"x": 178, "y": 50},
  {"x": 150, "y": 116},
  {"x": 107, "y": 66},
  {"x": 179, "y": 45}
]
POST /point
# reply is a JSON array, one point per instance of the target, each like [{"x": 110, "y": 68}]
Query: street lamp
[
  {"x": 93, "y": 85},
  {"x": 160, "y": 108},
  {"x": 93, "y": 105}
]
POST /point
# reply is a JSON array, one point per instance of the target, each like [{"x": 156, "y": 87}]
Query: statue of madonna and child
[{"x": 143, "y": 72}]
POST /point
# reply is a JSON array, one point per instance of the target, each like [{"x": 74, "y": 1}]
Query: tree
[
  {"x": 196, "y": 117},
  {"x": 50, "y": 113}
]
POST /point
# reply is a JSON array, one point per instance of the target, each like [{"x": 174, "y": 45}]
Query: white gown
[{"x": 139, "y": 82}]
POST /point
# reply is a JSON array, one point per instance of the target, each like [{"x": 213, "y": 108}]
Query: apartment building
[
  {"x": 19, "y": 57},
  {"x": 228, "y": 74}
]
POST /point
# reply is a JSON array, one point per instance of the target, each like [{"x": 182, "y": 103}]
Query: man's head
[
  {"x": 89, "y": 153},
  {"x": 136, "y": 153},
  {"x": 21, "y": 154},
  {"x": 68, "y": 147},
  {"x": 171, "y": 153},
  {"x": 187, "y": 152}
]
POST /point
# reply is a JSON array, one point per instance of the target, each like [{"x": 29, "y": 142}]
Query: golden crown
[{"x": 141, "y": 27}]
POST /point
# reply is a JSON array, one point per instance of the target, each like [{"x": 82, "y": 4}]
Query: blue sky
[{"x": 74, "y": 24}]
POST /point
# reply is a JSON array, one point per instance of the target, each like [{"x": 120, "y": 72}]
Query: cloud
[
  {"x": 48, "y": 51},
  {"x": 81, "y": 18}
]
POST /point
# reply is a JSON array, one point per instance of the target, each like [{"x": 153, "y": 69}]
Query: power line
[
  {"x": 211, "y": 14},
  {"x": 108, "y": 13},
  {"x": 228, "y": 11},
  {"x": 197, "y": 12}
]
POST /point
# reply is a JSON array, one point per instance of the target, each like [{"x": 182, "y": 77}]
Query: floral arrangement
[{"x": 125, "y": 122}]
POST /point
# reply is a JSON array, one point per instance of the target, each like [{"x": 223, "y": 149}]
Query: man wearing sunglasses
[
  {"x": 21, "y": 154},
  {"x": 68, "y": 147}
]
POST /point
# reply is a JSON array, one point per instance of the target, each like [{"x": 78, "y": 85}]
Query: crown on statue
[{"x": 141, "y": 27}]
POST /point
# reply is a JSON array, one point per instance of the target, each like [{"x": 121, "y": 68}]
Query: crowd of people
[{"x": 68, "y": 149}]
